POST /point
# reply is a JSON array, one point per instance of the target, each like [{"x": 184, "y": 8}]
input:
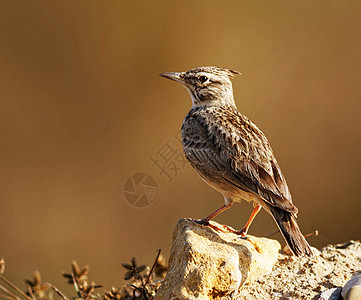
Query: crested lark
[{"x": 232, "y": 155}]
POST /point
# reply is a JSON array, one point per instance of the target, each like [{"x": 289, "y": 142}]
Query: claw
[
  {"x": 206, "y": 223},
  {"x": 202, "y": 222},
  {"x": 242, "y": 232}
]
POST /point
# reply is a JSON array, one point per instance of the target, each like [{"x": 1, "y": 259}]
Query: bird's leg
[
  {"x": 244, "y": 230},
  {"x": 205, "y": 221}
]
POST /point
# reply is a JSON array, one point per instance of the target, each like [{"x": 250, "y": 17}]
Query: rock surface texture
[
  {"x": 321, "y": 277},
  {"x": 211, "y": 263},
  {"x": 206, "y": 263}
]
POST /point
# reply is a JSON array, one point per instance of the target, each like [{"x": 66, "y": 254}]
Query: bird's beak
[{"x": 174, "y": 76}]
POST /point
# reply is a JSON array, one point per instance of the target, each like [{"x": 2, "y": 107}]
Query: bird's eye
[{"x": 203, "y": 78}]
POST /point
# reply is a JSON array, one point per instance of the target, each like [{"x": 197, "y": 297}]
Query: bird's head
[{"x": 206, "y": 85}]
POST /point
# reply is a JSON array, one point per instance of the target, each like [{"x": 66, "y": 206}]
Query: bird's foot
[
  {"x": 242, "y": 232},
  {"x": 205, "y": 222},
  {"x": 230, "y": 229}
]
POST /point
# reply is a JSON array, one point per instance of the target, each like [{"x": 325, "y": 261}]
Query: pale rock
[{"x": 206, "y": 263}]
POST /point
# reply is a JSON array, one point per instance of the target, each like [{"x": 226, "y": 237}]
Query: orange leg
[
  {"x": 244, "y": 230},
  {"x": 205, "y": 221}
]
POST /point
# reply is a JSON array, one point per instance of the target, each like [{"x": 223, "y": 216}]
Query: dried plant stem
[
  {"x": 14, "y": 287},
  {"x": 140, "y": 290},
  {"x": 154, "y": 264},
  {"x": 9, "y": 293},
  {"x": 271, "y": 233},
  {"x": 144, "y": 288},
  {"x": 315, "y": 233},
  {"x": 56, "y": 290},
  {"x": 30, "y": 291},
  {"x": 6, "y": 297},
  {"x": 150, "y": 274},
  {"x": 76, "y": 285}
]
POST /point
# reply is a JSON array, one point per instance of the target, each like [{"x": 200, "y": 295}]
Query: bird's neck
[{"x": 225, "y": 101}]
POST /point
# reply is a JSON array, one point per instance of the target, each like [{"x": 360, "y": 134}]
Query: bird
[{"x": 232, "y": 155}]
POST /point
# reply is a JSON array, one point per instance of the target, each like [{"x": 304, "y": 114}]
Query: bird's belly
[{"x": 228, "y": 190}]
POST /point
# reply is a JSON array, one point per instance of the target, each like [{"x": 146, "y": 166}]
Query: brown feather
[
  {"x": 211, "y": 143},
  {"x": 291, "y": 232}
]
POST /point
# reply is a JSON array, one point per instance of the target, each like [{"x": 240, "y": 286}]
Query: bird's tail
[{"x": 291, "y": 232}]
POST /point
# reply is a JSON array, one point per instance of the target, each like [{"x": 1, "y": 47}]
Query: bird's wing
[{"x": 225, "y": 143}]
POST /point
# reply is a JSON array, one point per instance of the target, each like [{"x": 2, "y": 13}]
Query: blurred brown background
[{"x": 83, "y": 108}]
